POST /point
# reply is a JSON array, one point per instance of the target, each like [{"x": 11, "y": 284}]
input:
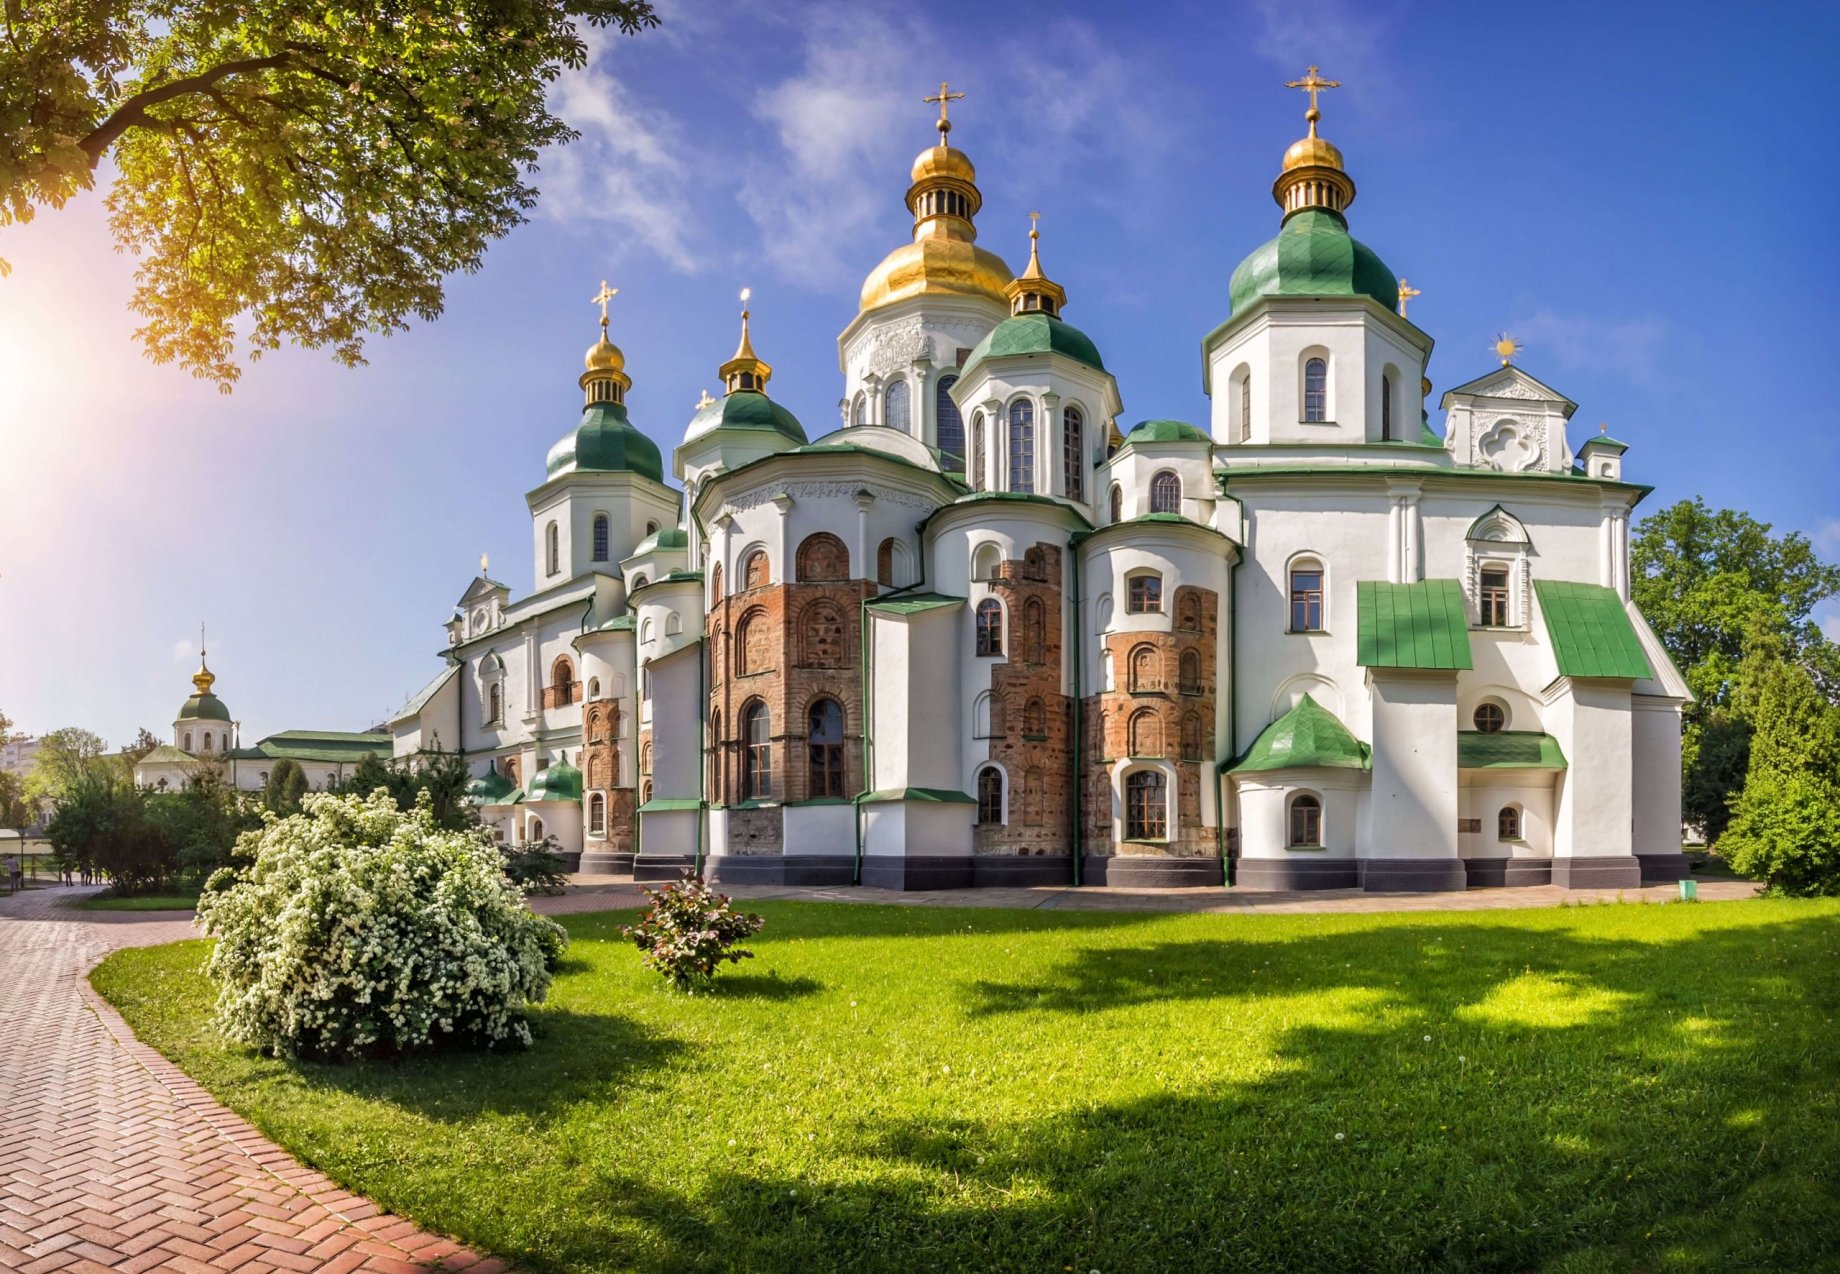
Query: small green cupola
[
  {"x": 559, "y": 781},
  {"x": 203, "y": 705},
  {"x": 744, "y": 405},
  {"x": 1309, "y": 736},
  {"x": 1034, "y": 325},
  {"x": 605, "y": 440}
]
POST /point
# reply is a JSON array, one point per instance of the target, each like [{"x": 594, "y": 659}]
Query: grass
[
  {"x": 889, "y": 1088},
  {"x": 109, "y": 900}
]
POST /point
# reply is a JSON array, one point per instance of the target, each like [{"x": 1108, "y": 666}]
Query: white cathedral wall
[
  {"x": 1655, "y": 774},
  {"x": 1482, "y": 798},
  {"x": 1264, "y": 811},
  {"x": 1050, "y": 387},
  {"x": 1132, "y": 467},
  {"x": 631, "y": 504},
  {"x": 1592, "y": 721},
  {"x": 918, "y": 340},
  {"x": 1412, "y": 811}
]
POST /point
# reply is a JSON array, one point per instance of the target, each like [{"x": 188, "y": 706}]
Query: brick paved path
[{"x": 111, "y": 1159}]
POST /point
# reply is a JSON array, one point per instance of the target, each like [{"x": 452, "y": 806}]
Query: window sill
[
  {"x": 1306, "y": 632},
  {"x": 1328, "y": 424},
  {"x": 1304, "y": 849},
  {"x": 1145, "y": 840}
]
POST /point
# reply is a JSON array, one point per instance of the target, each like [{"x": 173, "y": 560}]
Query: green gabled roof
[
  {"x": 1034, "y": 334},
  {"x": 914, "y": 603},
  {"x": 1165, "y": 431},
  {"x": 1508, "y": 750},
  {"x": 1308, "y": 736},
  {"x": 666, "y": 804},
  {"x": 605, "y": 442},
  {"x": 167, "y": 754},
  {"x": 204, "y": 707},
  {"x": 490, "y": 788},
  {"x": 1313, "y": 255},
  {"x": 1422, "y": 625},
  {"x": 556, "y": 782},
  {"x": 1590, "y": 631},
  {"x": 426, "y": 693},
  {"x": 1604, "y": 442},
  {"x": 318, "y": 745}
]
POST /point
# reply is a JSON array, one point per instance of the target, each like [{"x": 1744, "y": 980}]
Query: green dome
[
  {"x": 1034, "y": 334},
  {"x": 559, "y": 782},
  {"x": 746, "y": 409},
  {"x": 1308, "y": 736},
  {"x": 1313, "y": 255},
  {"x": 204, "y": 707},
  {"x": 672, "y": 537},
  {"x": 1165, "y": 431},
  {"x": 606, "y": 442}
]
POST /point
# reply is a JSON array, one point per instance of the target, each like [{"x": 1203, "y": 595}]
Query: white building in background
[{"x": 983, "y": 634}]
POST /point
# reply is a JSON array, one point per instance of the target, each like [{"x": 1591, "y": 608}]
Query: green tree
[
  {"x": 287, "y": 783},
  {"x": 62, "y": 758},
  {"x": 1785, "y": 824},
  {"x": 203, "y": 821},
  {"x": 442, "y": 775},
  {"x": 295, "y": 170},
  {"x": 144, "y": 742},
  {"x": 103, "y": 820},
  {"x": 15, "y": 810}
]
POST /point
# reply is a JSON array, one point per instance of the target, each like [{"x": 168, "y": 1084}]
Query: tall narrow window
[
  {"x": 1245, "y": 408},
  {"x": 894, "y": 407},
  {"x": 597, "y": 815},
  {"x": 859, "y": 410},
  {"x": 495, "y": 704},
  {"x": 1117, "y": 503},
  {"x": 562, "y": 683},
  {"x": 825, "y": 737},
  {"x": 990, "y": 795},
  {"x": 977, "y": 451},
  {"x": 1073, "y": 452},
  {"x": 1166, "y": 492},
  {"x": 1306, "y": 822},
  {"x": 1494, "y": 597},
  {"x": 1508, "y": 823},
  {"x": 1146, "y": 806},
  {"x": 1306, "y": 598},
  {"x": 757, "y": 761},
  {"x": 1386, "y": 408},
  {"x": 1316, "y": 391},
  {"x": 1190, "y": 672},
  {"x": 884, "y": 562},
  {"x": 950, "y": 434},
  {"x": 1022, "y": 445},
  {"x": 989, "y": 627},
  {"x": 600, "y": 537},
  {"x": 188, "y": 741},
  {"x": 553, "y": 543}
]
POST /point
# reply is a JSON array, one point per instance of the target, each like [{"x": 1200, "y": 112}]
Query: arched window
[
  {"x": 824, "y": 773},
  {"x": 822, "y": 636},
  {"x": 1191, "y": 736},
  {"x": 188, "y": 740},
  {"x": 1508, "y": 823},
  {"x": 1117, "y": 503},
  {"x": 1166, "y": 492},
  {"x": 757, "y": 758},
  {"x": 1145, "y": 675},
  {"x": 1316, "y": 391},
  {"x": 884, "y": 562},
  {"x": 639, "y": 582},
  {"x": 715, "y": 582},
  {"x": 754, "y": 573},
  {"x": 1386, "y": 408},
  {"x": 1245, "y": 407},
  {"x": 977, "y": 451},
  {"x": 1022, "y": 445},
  {"x": 552, "y": 538},
  {"x": 533, "y": 831},
  {"x": 1146, "y": 805},
  {"x": 207, "y": 740},
  {"x": 1034, "y": 720},
  {"x": 1190, "y": 672},
  {"x": 822, "y": 557},
  {"x": 986, "y": 562},
  {"x": 1306, "y": 822},
  {"x": 645, "y": 792},
  {"x": 600, "y": 537},
  {"x": 1306, "y": 596},
  {"x": 990, "y": 796},
  {"x": 597, "y": 815},
  {"x": 594, "y": 687},
  {"x": 495, "y": 704},
  {"x": 1491, "y": 718},
  {"x": 859, "y": 410},
  {"x": 894, "y": 407},
  {"x": 1188, "y": 610},
  {"x": 1145, "y": 735},
  {"x": 982, "y": 726},
  {"x": 562, "y": 683},
  {"x": 1033, "y": 624},
  {"x": 950, "y": 434},
  {"x": 651, "y": 528},
  {"x": 1073, "y": 453},
  {"x": 1493, "y": 598},
  {"x": 753, "y": 644},
  {"x": 989, "y": 627},
  {"x": 1145, "y": 593}
]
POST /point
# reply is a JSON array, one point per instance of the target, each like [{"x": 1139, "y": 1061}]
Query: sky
[{"x": 1642, "y": 193}]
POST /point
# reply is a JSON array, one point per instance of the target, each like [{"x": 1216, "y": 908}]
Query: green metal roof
[
  {"x": 490, "y": 788},
  {"x": 1590, "y": 631},
  {"x": 914, "y": 603},
  {"x": 318, "y": 745},
  {"x": 1313, "y": 255},
  {"x": 933, "y": 795},
  {"x": 1034, "y": 334},
  {"x": 605, "y": 442},
  {"x": 204, "y": 707},
  {"x": 557, "y": 782},
  {"x": 671, "y": 537},
  {"x": 1421, "y": 625},
  {"x": 1308, "y": 736},
  {"x": 167, "y": 754},
  {"x": 1165, "y": 431},
  {"x": 745, "y": 409},
  {"x": 1508, "y": 750},
  {"x": 1604, "y": 442}
]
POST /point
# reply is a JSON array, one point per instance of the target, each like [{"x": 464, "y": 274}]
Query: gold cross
[
  {"x": 943, "y": 97},
  {"x": 1406, "y": 293},
  {"x": 601, "y": 298},
  {"x": 1312, "y": 83}
]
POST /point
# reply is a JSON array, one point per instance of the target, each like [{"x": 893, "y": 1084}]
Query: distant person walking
[{"x": 15, "y": 878}]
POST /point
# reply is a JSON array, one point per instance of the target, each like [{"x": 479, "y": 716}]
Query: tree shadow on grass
[{"x": 764, "y": 986}]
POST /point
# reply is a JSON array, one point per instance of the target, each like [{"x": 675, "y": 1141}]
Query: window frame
[
  {"x": 1315, "y": 401},
  {"x": 552, "y": 543},
  {"x": 824, "y": 759},
  {"x": 1310, "y": 806},
  {"x": 987, "y": 620},
  {"x": 756, "y": 754},
  {"x": 1306, "y": 565},
  {"x": 1510, "y": 824},
  {"x": 898, "y": 385},
  {"x": 1146, "y": 805},
  {"x": 1073, "y": 451},
  {"x": 1019, "y": 453},
  {"x": 603, "y": 527},
  {"x": 1494, "y": 606},
  {"x": 991, "y": 802},
  {"x": 1143, "y": 593},
  {"x": 942, "y": 406},
  {"x": 1159, "y": 491},
  {"x": 1497, "y": 714}
]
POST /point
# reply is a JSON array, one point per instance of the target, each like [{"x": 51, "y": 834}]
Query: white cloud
[
  {"x": 1826, "y": 538},
  {"x": 1828, "y": 617},
  {"x": 1626, "y": 347}
]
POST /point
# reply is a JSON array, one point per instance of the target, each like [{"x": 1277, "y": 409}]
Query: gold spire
[
  {"x": 1406, "y": 293},
  {"x": 745, "y": 371},
  {"x": 485, "y": 563},
  {"x": 204, "y": 677},
  {"x": 1312, "y": 175},
  {"x": 605, "y": 380},
  {"x": 1033, "y": 292},
  {"x": 943, "y": 98}
]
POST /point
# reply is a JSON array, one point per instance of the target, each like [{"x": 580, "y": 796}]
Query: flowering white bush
[{"x": 362, "y": 929}]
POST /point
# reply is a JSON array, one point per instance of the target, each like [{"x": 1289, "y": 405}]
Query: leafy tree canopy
[
  {"x": 63, "y": 757},
  {"x": 144, "y": 742},
  {"x": 287, "y": 783},
  {"x": 1785, "y": 823},
  {"x": 304, "y": 171}
]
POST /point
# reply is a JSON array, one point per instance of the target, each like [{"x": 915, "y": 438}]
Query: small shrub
[
  {"x": 360, "y": 929},
  {"x": 689, "y": 931},
  {"x": 535, "y": 869}
]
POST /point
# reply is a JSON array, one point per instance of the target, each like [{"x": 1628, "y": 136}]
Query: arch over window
[
  {"x": 1144, "y": 593},
  {"x": 982, "y": 722},
  {"x": 1146, "y": 674},
  {"x": 754, "y": 570},
  {"x": 651, "y": 528},
  {"x": 859, "y": 409},
  {"x": 495, "y": 703},
  {"x": 1146, "y": 805},
  {"x": 639, "y": 582},
  {"x": 986, "y": 562},
  {"x": 1166, "y": 492},
  {"x": 552, "y": 540},
  {"x": 1188, "y": 610},
  {"x": 824, "y": 737},
  {"x": 949, "y": 433},
  {"x": 601, "y": 525},
  {"x": 645, "y": 792},
  {"x": 1034, "y": 625},
  {"x": 597, "y": 815},
  {"x": 1022, "y": 445},
  {"x": 1306, "y": 585},
  {"x": 757, "y": 752},
  {"x": 895, "y": 413},
  {"x": 562, "y": 680},
  {"x": 1493, "y": 596},
  {"x": 1305, "y": 822},
  {"x": 977, "y": 451},
  {"x": 990, "y": 796},
  {"x": 990, "y": 627},
  {"x": 1490, "y": 717},
  {"x": 1508, "y": 823},
  {"x": 594, "y": 687},
  {"x": 207, "y": 741},
  {"x": 1117, "y": 504},
  {"x": 188, "y": 741},
  {"x": 823, "y": 636},
  {"x": 715, "y": 582},
  {"x": 1242, "y": 385},
  {"x": 1073, "y": 452},
  {"x": 884, "y": 562},
  {"x": 1146, "y": 733},
  {"x": 822, "y": 556},
  {"x": 753, "y": 643},
  {"x": 1189, "y": 676},
  {"x": 1035, "y": 719},
  {"x": 1316, "y": 389}
]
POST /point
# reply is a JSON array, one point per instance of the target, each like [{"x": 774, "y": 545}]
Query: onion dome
[
  {"x": 605, "y": 441},
  {"x": 943, "y": 258},
  {"x": 745, "y": 405},
  {"x": 203, "y": 705},
  {"x": 1313, "y": 254},
  {"x": 1165, "y": 431},
  {"x": 558, "y": 781},
  {"x": 1034, "y": 325}
]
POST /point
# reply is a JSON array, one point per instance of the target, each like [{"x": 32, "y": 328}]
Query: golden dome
[
  {"x": 937, "y": 267},
  {"x": 943, "y": 161},
  {"x": 604, "y": 356},
  {"x": 1312, "y": 151}
]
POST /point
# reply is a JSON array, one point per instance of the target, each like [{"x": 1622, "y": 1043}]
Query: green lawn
[
  {"x": 111, "y": 901},
  {"x": 894, "y": 1088}
]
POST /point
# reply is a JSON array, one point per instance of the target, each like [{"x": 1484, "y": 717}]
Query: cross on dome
[
  {"x": 1312, "y": 83},
  {"x": 944, "y": 98},
  {"x": 601, "y": 298},
  {"x": 1406, "y": 293}
]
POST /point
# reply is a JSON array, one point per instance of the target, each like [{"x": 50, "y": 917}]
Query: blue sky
[{"x": 1641, "y": 192}]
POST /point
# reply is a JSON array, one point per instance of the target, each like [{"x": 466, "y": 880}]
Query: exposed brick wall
[
  {"x": 600, "y": 772},
  {"x": 1030, "y": 717}
]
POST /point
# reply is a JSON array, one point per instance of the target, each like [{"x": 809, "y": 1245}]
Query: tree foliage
[
  {"x": 63, "y": 757},
  {"x": 442, "y": 775},
  {"x": 1785, "y": 824},
  {"x": 299, "y": 171},
  {"x": 144, "y": 742},
  {"x": 104, "y": 821},
  {"x": 287, "y": 783}
]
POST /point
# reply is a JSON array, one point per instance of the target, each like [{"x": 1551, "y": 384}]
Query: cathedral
[{"x": 984, "y": 634}]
